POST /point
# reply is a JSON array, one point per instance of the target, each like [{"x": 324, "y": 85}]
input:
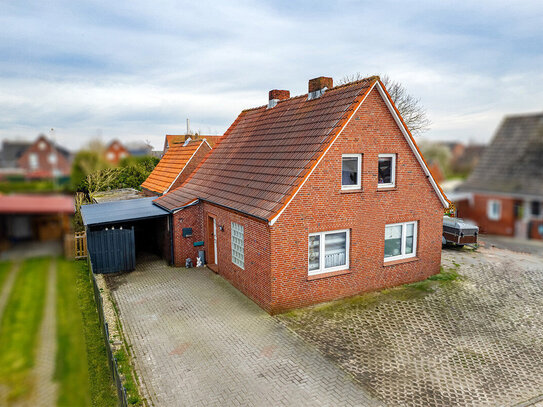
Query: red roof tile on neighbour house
[
  {"x": 170, "y": 166},
  {"x": 267, "y": 153},
  {"x": 36, "y": 204}
]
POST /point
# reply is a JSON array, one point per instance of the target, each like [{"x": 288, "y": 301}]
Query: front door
[{"x": 212, "y": 239}]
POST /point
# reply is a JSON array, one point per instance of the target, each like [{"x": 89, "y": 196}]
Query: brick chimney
[
  {"x": 276, "y": 95},
  {"x": 320, "y": 83}
]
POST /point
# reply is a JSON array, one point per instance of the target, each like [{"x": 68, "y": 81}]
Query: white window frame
[
  {"x": 404, "y": 231},
  {"x": 358, "y": 185},
  {"x": 393, "y": 171},
  {"x": 33, "y": 161},
  {"x": 322, "y": 250},
  {"x": 489, "y": 213},
  {"x": 238, "y": 258}
]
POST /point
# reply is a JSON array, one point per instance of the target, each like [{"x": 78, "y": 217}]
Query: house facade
[
  {"x": 115, "y": 152},
  {"x": 312, "y": 198},
  {"x": 504, "y": 193},
  {"x": 45, "y": 159}
]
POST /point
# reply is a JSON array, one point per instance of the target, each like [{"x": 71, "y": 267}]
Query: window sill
[
  {"x": 400, "y": 261},
  {"x": 329, "y": 274},
  {"x": 387, "y": 188},
  {"x": 351, "y": 191}
]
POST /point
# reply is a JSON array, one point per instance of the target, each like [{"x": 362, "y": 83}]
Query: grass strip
[
  {"x": 19, "y": 327},
  {"x": 5, "y": 267},
  {"x": 102, "y": 388},
  {"x": 71, "y": 370}
]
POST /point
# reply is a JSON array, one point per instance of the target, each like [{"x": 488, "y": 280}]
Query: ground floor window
[
  {"x": 400, "y": 241},
  {"x": 238, "y": 252},
  {"x": 328, "y": 251},
  {"x": 494, "y": 209}
]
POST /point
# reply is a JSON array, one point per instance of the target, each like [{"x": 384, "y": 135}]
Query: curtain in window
[
  {"x": 314, "y": 252},
  {"x": 336, "y": 249},
  {"x": 393, "y": 240}
]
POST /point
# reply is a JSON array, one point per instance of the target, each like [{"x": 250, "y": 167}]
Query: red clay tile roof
[
  {"x": 266, "y": 154},
  {"x": 36, "y": 204},
  {"x": 170, "y": 166}
]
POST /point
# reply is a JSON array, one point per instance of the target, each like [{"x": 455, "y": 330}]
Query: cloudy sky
[{"x": 135, "y": 70}]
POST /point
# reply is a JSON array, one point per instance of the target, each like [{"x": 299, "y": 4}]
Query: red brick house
[
  {"x": 312, "y": 198},
  {"x": 45, "y": 159},
  {"x": 175, "y": 166},
  {"x": 115, "y": 152},
  {"x": 504, "y": 193}
]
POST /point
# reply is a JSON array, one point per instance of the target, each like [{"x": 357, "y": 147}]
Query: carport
[{"x": 121, "y": 233}]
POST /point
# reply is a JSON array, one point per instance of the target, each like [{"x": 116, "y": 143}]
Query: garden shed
[{"x": 121, "y": 233}]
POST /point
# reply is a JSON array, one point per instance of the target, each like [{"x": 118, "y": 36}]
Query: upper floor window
[
  {"x": 387, "y": 170},
  {"x": 238, "y": 251},
  {"x": 400, "y": 241},
  {"x": 328, "y": 251},
  {"x": 33, "y": 161},
  {"x": 351, "y": 174},
  {"x": 52, "y": 158},
  {"x": 494, "y": 209}
]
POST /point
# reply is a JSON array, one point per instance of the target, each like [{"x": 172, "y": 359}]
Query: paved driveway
[
  {"x": 476, "y": 341},
  {"x": 200, "y": 342}
]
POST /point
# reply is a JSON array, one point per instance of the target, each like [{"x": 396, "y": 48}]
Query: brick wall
[
  {"x": 322, "y": 206},
  {"x": 534, "y": 229},
  {"x": 477, "y": 212},
  {"x": 254, "y": 279}
]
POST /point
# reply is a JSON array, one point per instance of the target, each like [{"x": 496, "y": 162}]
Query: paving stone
[
  {"x": 476, "y": 342},
  {"x": 194, "y": 350}
]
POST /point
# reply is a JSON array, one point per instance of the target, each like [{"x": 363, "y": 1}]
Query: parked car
[{"x": 459, "y": 231}]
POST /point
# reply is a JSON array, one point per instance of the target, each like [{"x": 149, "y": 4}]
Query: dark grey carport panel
[{"x": 120, "y": 211}]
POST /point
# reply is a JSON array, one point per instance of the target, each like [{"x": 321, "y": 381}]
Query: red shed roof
[
  {"x": 36, "y": 204},
  {"x": 267, "y": 153}
]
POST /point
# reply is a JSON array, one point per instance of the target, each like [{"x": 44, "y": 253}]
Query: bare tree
[
  {"x": 99, "y": 180},
  {"x": 413, "y": 113}
]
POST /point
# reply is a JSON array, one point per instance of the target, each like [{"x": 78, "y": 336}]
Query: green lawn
[
  {"x": 5, "y": 267},
  {"x": 82, "y": 368},
  {"x": 81, "y": 365},
  {"x": 19, "y": 327}
]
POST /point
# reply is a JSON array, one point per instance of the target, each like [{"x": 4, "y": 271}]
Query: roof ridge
[{"x": 343, "y": 85}]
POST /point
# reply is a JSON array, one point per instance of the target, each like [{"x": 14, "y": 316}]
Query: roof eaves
[{"x": 185, "y": 166}]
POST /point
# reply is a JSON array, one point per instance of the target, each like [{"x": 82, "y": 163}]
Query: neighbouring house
[
  {"x": 468, "y": 160},
  {"x": 175, "y": 139},
  {"x": 312, "y": 198},
  {"x": 180, "y": 160},
  {"x": 45, "y": 159},
  {"x": 139, "y": 149},
  {"x": 504, "y": 193},
  {"x": 34, "y": 218},
  {"x": 115, "y": 152},
  {"x": 9, "y": 155}
]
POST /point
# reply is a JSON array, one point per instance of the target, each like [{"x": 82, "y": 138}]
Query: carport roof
[{"x": 120, "y": 211}]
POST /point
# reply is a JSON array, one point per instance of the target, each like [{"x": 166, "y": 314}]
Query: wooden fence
[{"x": 80, "y": 245}]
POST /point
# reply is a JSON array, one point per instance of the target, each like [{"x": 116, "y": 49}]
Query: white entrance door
[{"x": 215, "y": 239}]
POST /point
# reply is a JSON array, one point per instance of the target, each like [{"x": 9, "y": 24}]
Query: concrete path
[
  {"x": 45, "y": 393},
  {"x": 200, "y": 342}
]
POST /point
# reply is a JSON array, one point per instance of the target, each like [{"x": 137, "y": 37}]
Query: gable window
[
  {"x": 238, "y": 252},
  {"x": 400, "y": 241},
  {"x": 328, "y": 251},
  {"x": 351, "y": 174},
  {"x": 33, "y": 161},
  {"x": 387, "y": 170},
  {"x": 52, "y": 158},
  {"x": 494, "y": 209}
]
